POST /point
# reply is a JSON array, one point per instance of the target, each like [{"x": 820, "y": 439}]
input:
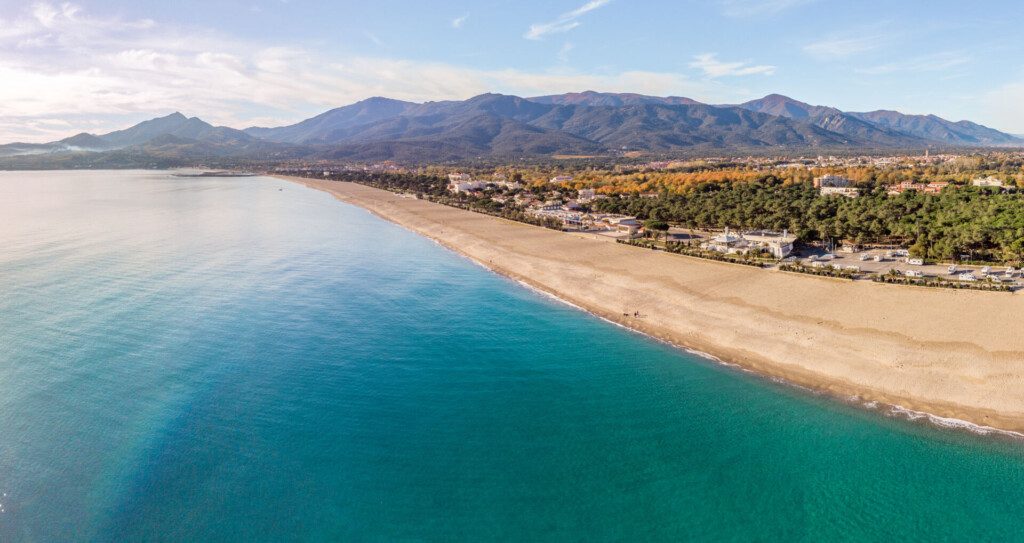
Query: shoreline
[
  {"x": 890, "y": 410},
  {"x": 782, "y": 326}
]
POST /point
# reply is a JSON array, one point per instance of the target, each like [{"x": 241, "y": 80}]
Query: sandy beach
[{"x": 955, "y": 354}]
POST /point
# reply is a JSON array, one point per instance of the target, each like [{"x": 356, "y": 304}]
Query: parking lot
[
  {"x": 873, "y": 261},
  {"x": 881, "y": 261}
]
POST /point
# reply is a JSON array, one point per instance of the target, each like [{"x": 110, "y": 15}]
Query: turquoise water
[{"x": 250, "y": 360}]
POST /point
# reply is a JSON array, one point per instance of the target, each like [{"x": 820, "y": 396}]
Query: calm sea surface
[{"x": 250, "y": 360}]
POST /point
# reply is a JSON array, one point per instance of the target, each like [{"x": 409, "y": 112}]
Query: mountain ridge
[
  {"x": 498, "y": 125},
  {"x": 833, "y": 120}
]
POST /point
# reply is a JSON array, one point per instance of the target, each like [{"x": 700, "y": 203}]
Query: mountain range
[{"x": 503, "y": 127}]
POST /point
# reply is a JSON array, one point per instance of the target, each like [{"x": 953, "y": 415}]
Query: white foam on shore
[
  {"x": 950, "y": 422},
  {"x": 694, "y": 352},
  {"x": 896, "y": 411}
]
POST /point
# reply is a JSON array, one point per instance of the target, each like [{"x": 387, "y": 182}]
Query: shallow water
[{"x": 248, "y": 359}]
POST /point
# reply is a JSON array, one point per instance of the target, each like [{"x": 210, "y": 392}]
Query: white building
[
  {"x": 774, "y": 243},
  {"x": 837, "y": 185},
  {"x": 849, "y": 192},
  {"x": 561, "y": 179},
  {"x": 726, "y": 243},
  {"x": 508, "y": 185},
  {"x": 831, "y": 180},
  {"x": 780, "y": 245},
  {"x": 622, "y": 224},
  {"x": 989, "y": 181},
  {"x": 463, "y": 182},
  {"x": 586, "y": 195},
  {"x": 471, "y": 186}
]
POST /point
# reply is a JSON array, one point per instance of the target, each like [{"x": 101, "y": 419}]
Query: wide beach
[{"x": 954, "y": 354}]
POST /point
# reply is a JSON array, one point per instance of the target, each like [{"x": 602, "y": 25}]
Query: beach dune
[{"x": 955, "y": 354}]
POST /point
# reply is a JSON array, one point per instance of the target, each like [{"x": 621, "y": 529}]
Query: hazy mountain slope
[
  {"x": 174, "y": 124},
  {"x": 829, "y": 118},
  {"x": 323, "y": 127},
  {"x": 485, "y": 134},
  {"x": 938, "y": 129},
  {"x": 495, "y": 125},
  {"x": 665, "y": 127}
]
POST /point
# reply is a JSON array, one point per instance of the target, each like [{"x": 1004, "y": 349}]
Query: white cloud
[
  {"x": 459, "y": 21},
  {"x": 937, "y": 62},
  {"x": 565, "y": 22},
  {"x": 841, "y": 47},
  {"x": 754, "y": 8},
  {"x": 712, "y": 67},
  {"x": 103, "y": 75}
]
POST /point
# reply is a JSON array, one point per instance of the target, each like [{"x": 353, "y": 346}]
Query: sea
[{"x": 247, "y": 359}]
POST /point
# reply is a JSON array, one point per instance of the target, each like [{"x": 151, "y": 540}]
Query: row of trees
[
  {"x": 982, "y": 224},
  {"x": 862, "y": 176}
]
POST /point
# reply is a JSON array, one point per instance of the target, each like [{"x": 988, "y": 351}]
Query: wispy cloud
[
  {"x": 838, "y": 47},
  {"x": 459, "y": 21},
  {"x": 77, "y": 72},
  {"x": 937, "y": 62},
  {"x": 565, "y": 22},
  {"x": 753, "y": 8},
  {"x": 712, "y": 67}
]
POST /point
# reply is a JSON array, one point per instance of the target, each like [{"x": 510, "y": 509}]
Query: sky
[{"x": 96, "y": 66}]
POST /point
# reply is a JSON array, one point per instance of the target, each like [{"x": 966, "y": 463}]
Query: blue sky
[{"x": 96, "y": 66}]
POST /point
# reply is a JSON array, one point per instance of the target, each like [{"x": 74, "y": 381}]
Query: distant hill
[
  {"x": 938, "y": 129},
  {"x": 508, "y": 127},
  {"x": 174, "y": 125},
  {"x": 324, "y": 127},
  {"x": 859, "y": 131}
]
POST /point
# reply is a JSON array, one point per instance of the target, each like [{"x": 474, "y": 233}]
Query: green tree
[{"x": 656, "y": 226}]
